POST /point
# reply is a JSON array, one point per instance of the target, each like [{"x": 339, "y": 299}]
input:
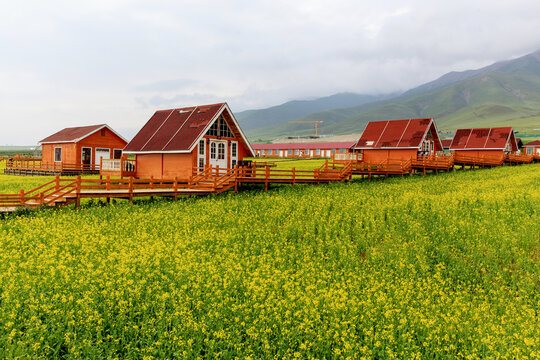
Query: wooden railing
[
  {"x": 58, "y": 189},
  {"x": 518, "y": 158},
  {"x": 347, "y": 157},
  {"x": 496, "y": 160},
  {"x": 118, "y": 167},
  {"x": 434, "y": 161},
  {"x": 39, "y": 165}
]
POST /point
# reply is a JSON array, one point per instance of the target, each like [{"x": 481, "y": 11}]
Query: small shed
[
  {"x": 302, "y": 150},
  {"x": 484, "y": 143},
  {"x": 180, "y": 142},
  {"x": 82, "y": 147},
  {"x": 398, "y": 140},
  {"x": 532, "y": 148}
]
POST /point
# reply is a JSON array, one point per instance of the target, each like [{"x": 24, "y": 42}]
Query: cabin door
[
  {"x": 218, "y": 153},
  {"x": 102, "y": 153},
  {"x": 86, "y": 156}
]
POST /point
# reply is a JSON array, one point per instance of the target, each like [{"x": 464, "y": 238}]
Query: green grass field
[{"x": 442, "y": 266}]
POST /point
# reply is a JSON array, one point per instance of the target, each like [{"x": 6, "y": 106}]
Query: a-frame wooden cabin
[
  {"x": 483, "y": 146},
  {"x": 180, "y": 142},
  {"x": 398, "y": 140}
]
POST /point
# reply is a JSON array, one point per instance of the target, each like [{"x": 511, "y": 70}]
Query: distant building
[{"x": 302, "y": 150}]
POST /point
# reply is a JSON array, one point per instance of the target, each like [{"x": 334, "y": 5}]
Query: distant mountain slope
[
  {"x": 281, "y": 114},
  {"x": 505, "y": 93}
]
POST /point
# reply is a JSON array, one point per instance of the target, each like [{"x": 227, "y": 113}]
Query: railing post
[
  {"x": 78, "y": 184},
  {"x": 57, "y": 182},
  {"x": 108, "y": 183},
  {"x": 21, "y": 197},
  {"x": 294, "y": 174},
  {"x": 235, "y": 178},
  {"x": 130, "y": 189},
  {"x": 151, "y": 182},
  {"x": 175, "y": 187}
]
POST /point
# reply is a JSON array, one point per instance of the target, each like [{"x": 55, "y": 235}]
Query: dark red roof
[
  {"x": 286, "y": 146},
  {"x": 178, "y": 129},
  {"x": 483, "y": 138},
  {"x": 72, "y": 134},
  {"x": 533, "y": 143},
  {"x": 446, "y": 143},
  {"x": 397, "y": 134}
]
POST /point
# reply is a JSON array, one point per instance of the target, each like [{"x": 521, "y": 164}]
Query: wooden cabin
[
  {"x": 398, "y": 140},
  {"x": 81, "y": 147},
  {"x": 302, "y": 150},
  {"x": 180, "y": 142},
  {"x": 483, "y": 146},
  {"x": 532, "y": 148}
]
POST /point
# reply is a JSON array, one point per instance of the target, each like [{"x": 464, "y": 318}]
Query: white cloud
[{"x": 68, "y": 63}]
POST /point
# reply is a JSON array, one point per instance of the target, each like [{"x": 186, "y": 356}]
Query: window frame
[{"x": 58, "y": 148}]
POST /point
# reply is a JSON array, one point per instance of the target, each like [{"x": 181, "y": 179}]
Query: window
[
  {"x": 290, "y": 152},
  {"x": 201, "y": 147},
  {"x": 58, "y": 154},
  {"x": 201, "y": 162},
  {"x": 263, "y": 152},
  {"x": 213, "y": 150},
  {"x": 270, "y": 152},
  {"x": 117, "y": 153},
  {"x": 342, "y": 151},
  {"x": 220, "y": 128},
  {"x": 233, "y": 149},
  {"x": 529, "y": 151},
  {"x": 296, "y": 152},
  {"x": 318, "y": 152},
  {"x": 221, "y": 151},
  {"x": 233, "y": 163}
]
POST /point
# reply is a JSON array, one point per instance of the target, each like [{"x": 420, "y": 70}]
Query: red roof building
[
  {"x": 304, "y": 150},
  {"x": 175, "y": 141},
  {"x": 84, "y": 145},
  {"x": 532, "y": 148},
  {"x": 484, "y": 143},
  {"x": 398, "y": 140}
]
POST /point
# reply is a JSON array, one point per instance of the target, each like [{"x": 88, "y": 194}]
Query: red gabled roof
[
  {"x": 483, "y": 139},
  {"x": 446, "y": 143},
  {"x": 397, "y": 134},
  {"x": 177, "y": 130},
  {"x": 533, "y": 143},
  {"x": 74, "y": 134},
  {"x": 287, "y": 146}
]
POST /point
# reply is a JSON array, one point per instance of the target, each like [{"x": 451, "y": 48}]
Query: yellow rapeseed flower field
[{"x": 443, "y": 266}]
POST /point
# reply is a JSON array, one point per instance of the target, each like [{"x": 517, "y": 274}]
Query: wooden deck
[
  {"x": 35, "y": 167},
  {"x": 206, "y": 181}
]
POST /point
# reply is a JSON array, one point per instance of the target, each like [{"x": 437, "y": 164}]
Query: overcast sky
[{"x": 71, "y": 63}]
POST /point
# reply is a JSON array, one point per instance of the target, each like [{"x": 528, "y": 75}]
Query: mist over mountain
[{"x": 506, "y": 93}]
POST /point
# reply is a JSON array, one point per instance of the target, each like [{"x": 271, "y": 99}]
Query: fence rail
[{"x": 37, "y": 165}]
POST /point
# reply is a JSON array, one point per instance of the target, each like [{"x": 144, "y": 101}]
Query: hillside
[
  {"x": 505, "y": 93},
  {"x": 281, "y": 114}
]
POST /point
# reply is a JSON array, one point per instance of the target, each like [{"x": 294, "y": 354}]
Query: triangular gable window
[{"x": 220, "y": 128}]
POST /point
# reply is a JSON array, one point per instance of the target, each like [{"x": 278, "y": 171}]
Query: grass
[{"x": 439, "y": 266}]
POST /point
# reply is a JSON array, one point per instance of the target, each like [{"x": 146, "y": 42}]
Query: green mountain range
[
  {"x": 503, "y": 94},
  {"x": 292, "y": 110}
]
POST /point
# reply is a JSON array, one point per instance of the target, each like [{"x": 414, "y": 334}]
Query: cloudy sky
[{"x": 70, "y": 63}]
